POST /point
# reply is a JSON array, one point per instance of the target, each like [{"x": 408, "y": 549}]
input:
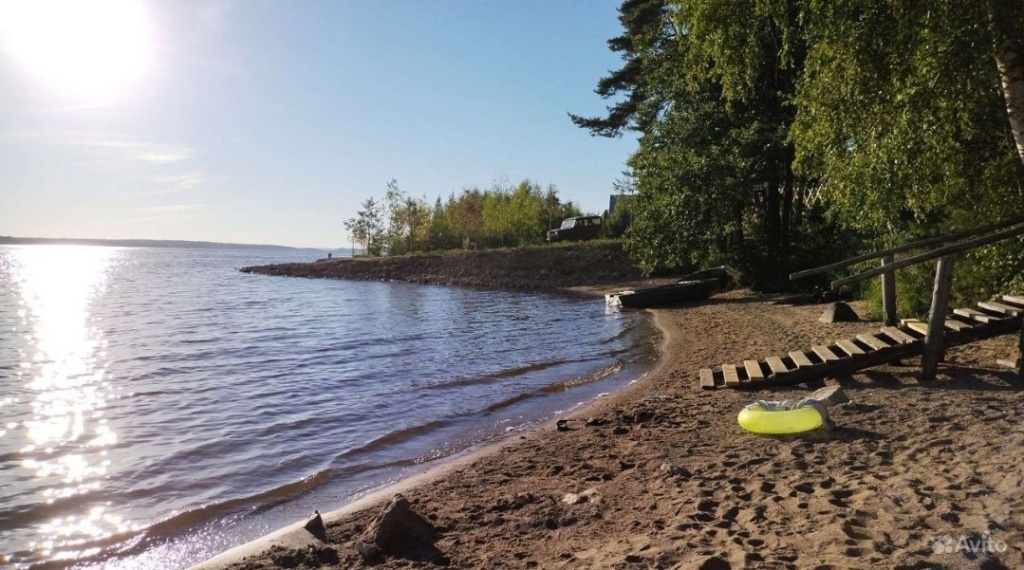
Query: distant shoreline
[
  {"x": 531, "y": 268},
  {"x": 10, "y": 240}
]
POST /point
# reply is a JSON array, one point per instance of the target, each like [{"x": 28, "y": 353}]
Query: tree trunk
[
  {"x": 773, "y": 221},
  {"x": 737, "y": 232},
  {"x": 1010, "y": 61},
  {"x": 787, "y": 211}
]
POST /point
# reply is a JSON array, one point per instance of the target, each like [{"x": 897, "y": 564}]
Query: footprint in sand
[{"x": 807, "y": 488}]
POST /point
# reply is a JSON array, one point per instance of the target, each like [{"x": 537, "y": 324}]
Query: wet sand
[{"x": 916, "y": 475}]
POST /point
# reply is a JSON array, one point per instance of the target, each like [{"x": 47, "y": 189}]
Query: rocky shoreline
[{"x": 535, "y": 268}]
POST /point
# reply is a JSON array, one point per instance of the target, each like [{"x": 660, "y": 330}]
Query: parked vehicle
[{"x": 577, "y": 229}]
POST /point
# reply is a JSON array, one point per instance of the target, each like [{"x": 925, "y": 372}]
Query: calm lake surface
[{"x": 157, "y": 406}]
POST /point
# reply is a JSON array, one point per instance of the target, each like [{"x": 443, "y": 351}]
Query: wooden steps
[{"x": 888, "y": 344}]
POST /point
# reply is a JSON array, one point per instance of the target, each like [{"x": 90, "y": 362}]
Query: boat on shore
[
  {"x": 694, "y": 287},
  {"x": 679, "y": 292}
]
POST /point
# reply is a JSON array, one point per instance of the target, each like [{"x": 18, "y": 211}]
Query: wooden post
[
  {"x": 937, "y": 319},
  {"x": 1020, "y": 353},
  {"x": 888, "y": 294}
]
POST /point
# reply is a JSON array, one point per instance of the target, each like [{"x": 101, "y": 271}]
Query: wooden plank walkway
[{"x": 990, "y": 319}]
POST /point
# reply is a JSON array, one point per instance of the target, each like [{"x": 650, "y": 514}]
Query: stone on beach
[
  {"x": 315, "y": 526},
  {"x": 398, "y": 530},
  {"x": 839, "y": 313},
  {"x": 588, "y": 496},
  {"x": 830, "y": 396}
]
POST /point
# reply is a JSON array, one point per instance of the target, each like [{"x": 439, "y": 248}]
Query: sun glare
[{"x": 92, "y": 50}]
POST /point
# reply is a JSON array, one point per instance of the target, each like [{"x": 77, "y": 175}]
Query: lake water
[{"x": 157, "y": 406}]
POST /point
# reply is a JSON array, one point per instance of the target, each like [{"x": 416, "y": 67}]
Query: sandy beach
[{"x": 914, "y": 476}]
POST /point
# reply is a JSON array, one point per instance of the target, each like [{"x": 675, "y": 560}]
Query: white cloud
[
  {"x": 165, "y": 155},
  {"x": 186, "y": 181},
  {"x": 103, "y": 147}
]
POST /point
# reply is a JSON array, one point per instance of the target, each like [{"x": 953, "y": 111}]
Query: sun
[{"x": 92, "y": 50}]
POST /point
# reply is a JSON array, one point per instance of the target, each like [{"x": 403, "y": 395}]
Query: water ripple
[{"x": 157, "y": 406}]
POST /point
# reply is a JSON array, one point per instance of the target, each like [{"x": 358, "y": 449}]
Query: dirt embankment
[{"x": 546, "y": 267}]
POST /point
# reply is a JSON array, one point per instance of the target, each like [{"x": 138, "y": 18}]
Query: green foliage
[
  {"x": 409, "y": 220},
  {"x": 899, "y": 114},
  {"x": 900, "y": 111},
  {"x": 496, "y": 217},
  {"x": 367, "y": 228},
  {"x": 714, "y": 176},
  {"x": 784, "y": 134},
  {"x": 913, "y": 292}
]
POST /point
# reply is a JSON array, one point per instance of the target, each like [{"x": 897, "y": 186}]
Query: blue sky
[{"x": 268, "y": 121}]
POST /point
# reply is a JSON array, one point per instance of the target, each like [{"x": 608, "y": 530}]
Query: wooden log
[
  {"x": 873, "y": 341},
  {"x": 776, "y": 364},
  {"x": 933, "y": 352},
  {"x": 800, "y": 359},
  {"x": 825, "y": 354},
  {"x": 707, "y": 379},
  {"x": 730, "y": 375},
  {"x": 888, "y": 293},
  {"x": 1001, "y": 308},
  {"x": 754, "y": 370},
  {"x": 898, "y": 335},
  {"x": 978, "y": 316},
  {"x": 1014, "y": 300},
  {"x": 849, "y": 347}
]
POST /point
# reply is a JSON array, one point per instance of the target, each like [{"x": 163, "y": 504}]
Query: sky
[{"x": 269, "y": 121}]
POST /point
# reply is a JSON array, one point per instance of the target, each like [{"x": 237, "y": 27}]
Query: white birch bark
[{"x": 1010, "y": 61}]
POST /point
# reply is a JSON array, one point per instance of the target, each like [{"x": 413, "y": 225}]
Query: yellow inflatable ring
[{"x": 756, "y": 419}]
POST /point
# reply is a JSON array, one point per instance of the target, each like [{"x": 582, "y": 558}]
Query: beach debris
[
  {"x": 657, "y": 398},
  {"x": 640, "y": 415},
  {"x": 594, "y": 422},
  {"x": 315, "y": 526},
  {"x": 589, "y": 496},
  {"x": 573, "y": 499},
  {"x": 839, "y": 313},
  {"x": 676, "y": 471},
  {"x": 620, "y": 430},
  {"x": 562, "y": 425},
  {"x": 309, "y": 557},
  {"x": 400, "y": 531}
]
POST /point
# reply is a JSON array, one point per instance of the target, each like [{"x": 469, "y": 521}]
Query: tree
[
  {"x": 909, "y": 113},
  {"x": 714, "y": 179},
  {"x": 367, "y": 227}
]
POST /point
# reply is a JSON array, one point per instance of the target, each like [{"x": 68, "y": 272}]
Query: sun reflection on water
[{"x": 61, "y": 390}]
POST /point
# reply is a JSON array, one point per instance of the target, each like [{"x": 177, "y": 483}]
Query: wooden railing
[{"x": 951, "y": 244}]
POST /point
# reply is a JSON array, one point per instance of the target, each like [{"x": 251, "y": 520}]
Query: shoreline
[
  {"x": 296, "y": 537},
  {"x": 673, "y": 482},
  {"x": 550, "y": 268}
]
